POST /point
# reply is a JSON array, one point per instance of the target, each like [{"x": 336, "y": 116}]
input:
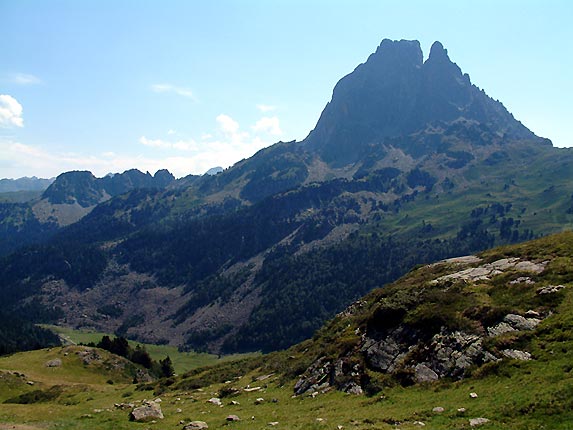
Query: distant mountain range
[
  {"x": 24, "y": 184},
  {"x": 409, "y": 163},
  {"x": 64, "y": 201}
]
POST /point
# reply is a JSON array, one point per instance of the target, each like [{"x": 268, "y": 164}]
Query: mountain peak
[
  {"x": 392, "y": 51},
  {"x": 394, "y": 94},
  {"x": 87, "y": 190},
  {"x": 438, "y": 52}
]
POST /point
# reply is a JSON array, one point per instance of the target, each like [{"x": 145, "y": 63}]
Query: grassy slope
[
  {"x": 19, "y": 196},
  {"x": 514, "y": 395},
  {"x": 537, "y": 205}
]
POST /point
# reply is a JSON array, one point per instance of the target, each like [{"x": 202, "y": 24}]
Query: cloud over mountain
[{"x": 10, "y": 112}]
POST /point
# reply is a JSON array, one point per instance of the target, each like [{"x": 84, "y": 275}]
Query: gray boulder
[
  {"x": 423, "y": 373},
  {"x": 216, "y": 401},
  {"x": 57, "y": 362},
  {"x": 550, "y": 289},
  {"x": 150, "y": 411},
  {"x": 521, "y": 323},
  {"x": 516, "y": 354},
  {"x": 474, "y": 422},
  {"x": 499, "y": 329},
  {"x": 196, "y": 425}
]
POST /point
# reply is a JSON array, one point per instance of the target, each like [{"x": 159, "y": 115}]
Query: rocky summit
[{"x": 395, "y": 93}]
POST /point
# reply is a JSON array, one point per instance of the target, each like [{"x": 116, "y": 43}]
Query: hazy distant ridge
[{"x": 24, "y": 184}]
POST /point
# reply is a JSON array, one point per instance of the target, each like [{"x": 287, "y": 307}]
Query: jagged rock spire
[{"x": 394, "y": 93}]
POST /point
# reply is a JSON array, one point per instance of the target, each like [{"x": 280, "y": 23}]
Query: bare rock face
[
  {"x": 500, "y": 329},
  {"x": 150, "y": 411},
  {"x": 324, "y": 374},
  {"x": 397, "y": 93},
  {"x": 385, "y": 354},
  {"x": 484, "y": 272},
  {"x": 450, "y": 354},
  {"x": 317, "y": 376}
]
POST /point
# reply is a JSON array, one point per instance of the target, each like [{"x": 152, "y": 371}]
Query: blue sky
[{"x": 187, "y": 85}]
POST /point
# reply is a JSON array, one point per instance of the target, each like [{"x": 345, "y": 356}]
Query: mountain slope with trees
[{"x": 408, "y": 164}]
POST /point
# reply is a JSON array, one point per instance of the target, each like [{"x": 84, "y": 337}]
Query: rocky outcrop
[
  {"x": 512, "y": 322},
  {"x": 421, "y": 352},
  {"x": 324, "y": 374},
  {"x": 485, "y": 272},
  {"x": 451, "y": 354},
  {"x": 89, "y": 356}
]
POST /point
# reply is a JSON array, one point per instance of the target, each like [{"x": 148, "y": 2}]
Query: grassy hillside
[{"x": 510, "y": 393}]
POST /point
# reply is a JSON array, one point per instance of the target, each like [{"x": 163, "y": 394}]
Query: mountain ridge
[
  {"x": 66, "y": 200},
  {"x": 24, "y": 184}
]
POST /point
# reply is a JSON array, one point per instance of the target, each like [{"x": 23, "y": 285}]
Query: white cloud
[
  {"x": 10, "y": 112},
  {"x": 224, "y": 146},
  {"x": 17, "y": 160},
  {"x": 265, "y": 108},
  {"x": 168, "y": 88},
  {"x": 25, "y": 79},
  {"x": 228, "y": 124},
  {"x": 182, "y": 145},
  {"x": 268, "y": 125},
  {"x": 233, "y": 137}
]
